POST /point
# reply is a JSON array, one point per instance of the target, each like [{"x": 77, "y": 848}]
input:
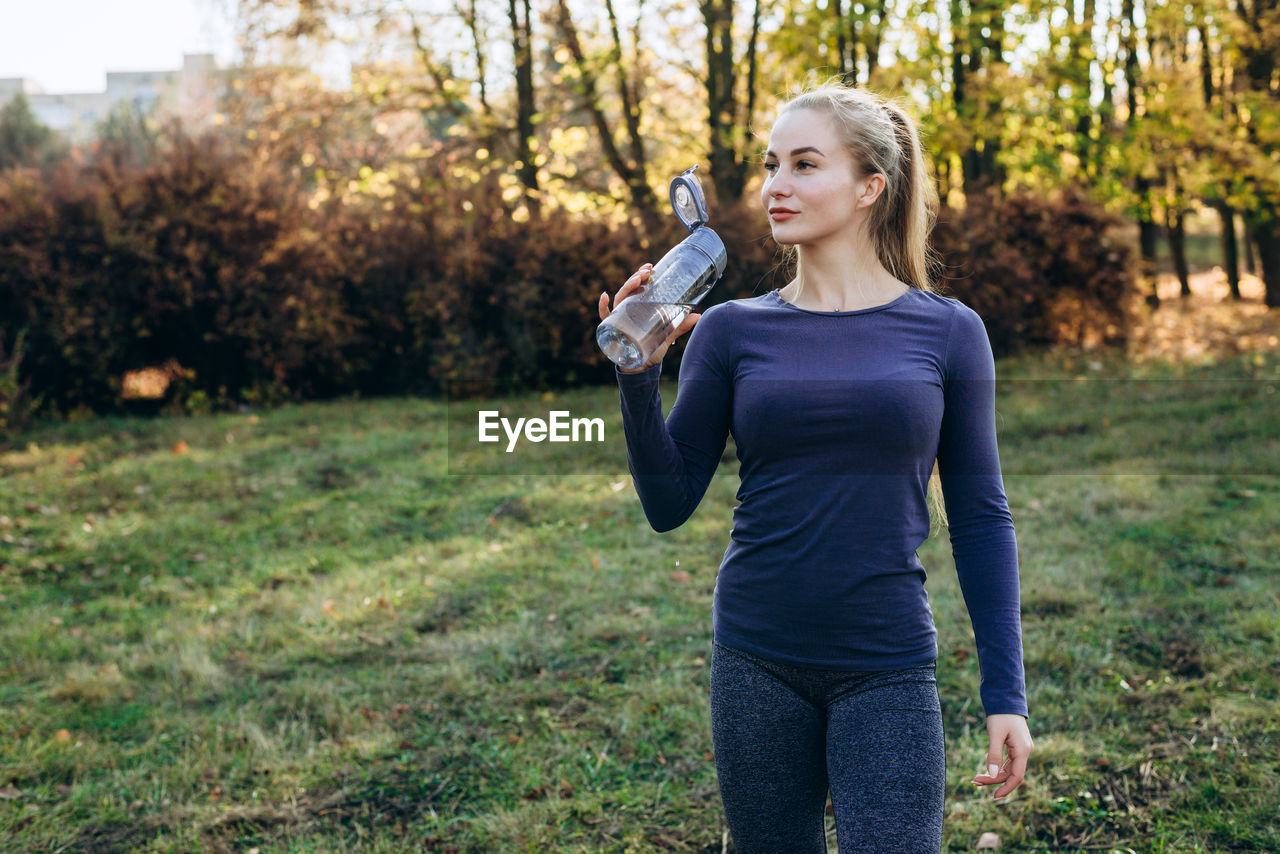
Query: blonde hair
[{"x": 882, "y": 137}]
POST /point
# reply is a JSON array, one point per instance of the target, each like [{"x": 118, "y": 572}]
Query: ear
[{"x": 871, "y": 189}]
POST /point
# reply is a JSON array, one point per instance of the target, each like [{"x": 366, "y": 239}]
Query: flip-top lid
[{"x": 688, "y": 200}]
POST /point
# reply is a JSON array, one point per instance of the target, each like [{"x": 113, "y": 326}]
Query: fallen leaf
[
  {"x": 181, "y": 446},
  {"x": 680, "y": 576},
  {"x": 329, "y": 608},
  {"x": 988, "y": 840},
  {"x": 595, "y": 561},
  {"x": 63, "y": 735},
  {"x": 9, "y": 793}
]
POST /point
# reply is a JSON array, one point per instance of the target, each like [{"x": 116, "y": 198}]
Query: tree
[
  {"x": 729, "y": 113},
  {"x": 631, "y": 167},
  {"x": 24, "y": 141}
]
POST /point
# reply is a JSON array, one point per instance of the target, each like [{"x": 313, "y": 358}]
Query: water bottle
[{"x": 641, "y": 322}]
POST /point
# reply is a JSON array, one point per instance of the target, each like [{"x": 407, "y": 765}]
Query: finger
[
  {"x": 1009, "y": 785},
  {"x": 603, "y": 305},
  {"x": 986, "y": 778},
  {"x": 636, "y": 283},
  {"x": 644, "y": 272},
  {"x": 685, "y": 325},
  {"x": 1017, "y": 771}
]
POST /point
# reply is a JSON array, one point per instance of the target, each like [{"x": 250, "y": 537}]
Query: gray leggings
[{"x": 784, "y": 735}]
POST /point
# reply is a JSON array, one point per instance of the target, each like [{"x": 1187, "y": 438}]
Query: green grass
[{"x": 304, "y": 634}]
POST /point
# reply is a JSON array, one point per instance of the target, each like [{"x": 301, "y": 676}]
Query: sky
[{"x": 69, "y": 45}]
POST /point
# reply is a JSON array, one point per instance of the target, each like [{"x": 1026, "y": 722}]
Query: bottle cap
[{"x": 688, "y": 200}]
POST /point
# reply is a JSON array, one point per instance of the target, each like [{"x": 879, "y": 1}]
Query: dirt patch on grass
[
  {"x": 391, "y": 797},
  {"x": 1208, "y": 322},
  {"x": 1049, "y": 603},
  {"x": 1171, "y": 649},
  {"x": 448, "y": 611}
]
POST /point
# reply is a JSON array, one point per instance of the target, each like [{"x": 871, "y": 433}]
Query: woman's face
[{"x": 810, "y": 191}]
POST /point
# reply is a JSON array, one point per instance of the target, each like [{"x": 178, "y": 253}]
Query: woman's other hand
[
  {"x": 634, "y": 285},
  {"x": 1006, "y": 731}
]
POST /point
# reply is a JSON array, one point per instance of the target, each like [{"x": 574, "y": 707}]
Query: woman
[{"x": 841, "y": 389}]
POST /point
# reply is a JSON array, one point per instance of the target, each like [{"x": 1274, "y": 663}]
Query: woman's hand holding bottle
[{"x": 634, "y": 285}]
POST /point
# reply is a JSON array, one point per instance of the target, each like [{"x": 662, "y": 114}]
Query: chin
[{"x": 781, "y": 237}]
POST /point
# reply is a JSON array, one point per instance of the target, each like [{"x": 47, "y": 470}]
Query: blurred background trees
[{"x": 397, "y": 195}]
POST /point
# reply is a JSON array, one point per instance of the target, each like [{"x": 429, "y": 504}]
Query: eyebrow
[{"x": 795, "y": 151}]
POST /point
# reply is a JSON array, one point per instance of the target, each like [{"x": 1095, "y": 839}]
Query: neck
[{"x": 842, "y": 276}]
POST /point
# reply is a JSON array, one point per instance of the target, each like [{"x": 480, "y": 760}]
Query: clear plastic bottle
[{"x": 638, "y": 326}]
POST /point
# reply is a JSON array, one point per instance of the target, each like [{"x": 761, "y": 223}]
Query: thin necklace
[{"x": 900, "y": 293}]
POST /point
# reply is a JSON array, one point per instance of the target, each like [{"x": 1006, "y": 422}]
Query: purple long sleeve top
[{"x": 837, "y": 417}]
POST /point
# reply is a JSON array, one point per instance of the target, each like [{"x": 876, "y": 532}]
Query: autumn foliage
[{"x": 232, "y": 277}]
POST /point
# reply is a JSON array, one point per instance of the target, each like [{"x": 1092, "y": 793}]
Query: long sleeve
[
  {"x": 983, "y": 541},
  {"x": 672, "y": 461}
]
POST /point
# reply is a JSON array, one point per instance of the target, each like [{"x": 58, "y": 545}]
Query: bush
[
  {"x": 1038, "y": 270},
  {"x": 199, "y": 256},
  {"x": 16, "y": 403},
  {"x": 227, "y": 273}
]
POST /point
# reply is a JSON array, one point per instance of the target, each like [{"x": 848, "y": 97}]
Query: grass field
[{"x": 297, "y": 631}]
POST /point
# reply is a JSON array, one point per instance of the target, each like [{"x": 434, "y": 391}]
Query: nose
[{"x": 778, "y": 184}]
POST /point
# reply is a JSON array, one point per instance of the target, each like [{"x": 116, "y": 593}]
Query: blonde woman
[{"x": 841, "y": 390}]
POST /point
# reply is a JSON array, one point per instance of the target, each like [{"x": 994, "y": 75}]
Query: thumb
[
  {"x": 688, "y": 323},
  {"x": 995, "y": 756}
]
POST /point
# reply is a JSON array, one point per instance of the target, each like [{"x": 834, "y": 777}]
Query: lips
[{"x": 779, "y": 214}]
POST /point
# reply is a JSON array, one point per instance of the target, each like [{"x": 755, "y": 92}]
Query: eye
[
  {"x": 769, "y": 167},
  {"x": 803, "y": 163}
]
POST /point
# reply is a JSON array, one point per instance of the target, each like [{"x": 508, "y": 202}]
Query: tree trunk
[
  {"x": 728, "y": 117},
  {"x": 717, "y": 16},
  {"x": 630, "y": 110},
  {"x": 1260, "y": 47},
  {"x": 468, "y": 15},
  {"x": 1141, "y": 185},
  {"x": 1081, "y": 86},
  {"x": 873, "y": 43},
  {"x": 843, "y": 64},
  {"x": 1250, "y": 262},
  {"x": 979, "y": 162},
  {"x": 1230, "y": 255},
  {"x": 1266, "y": 236},
  {"x": 642, "y": 198},
  {"x": 1176, "y": 234},
  {"x": 522, "y": 50}
]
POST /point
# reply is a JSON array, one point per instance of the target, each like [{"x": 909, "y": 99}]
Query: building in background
[{"x": 190, "y": 93}]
